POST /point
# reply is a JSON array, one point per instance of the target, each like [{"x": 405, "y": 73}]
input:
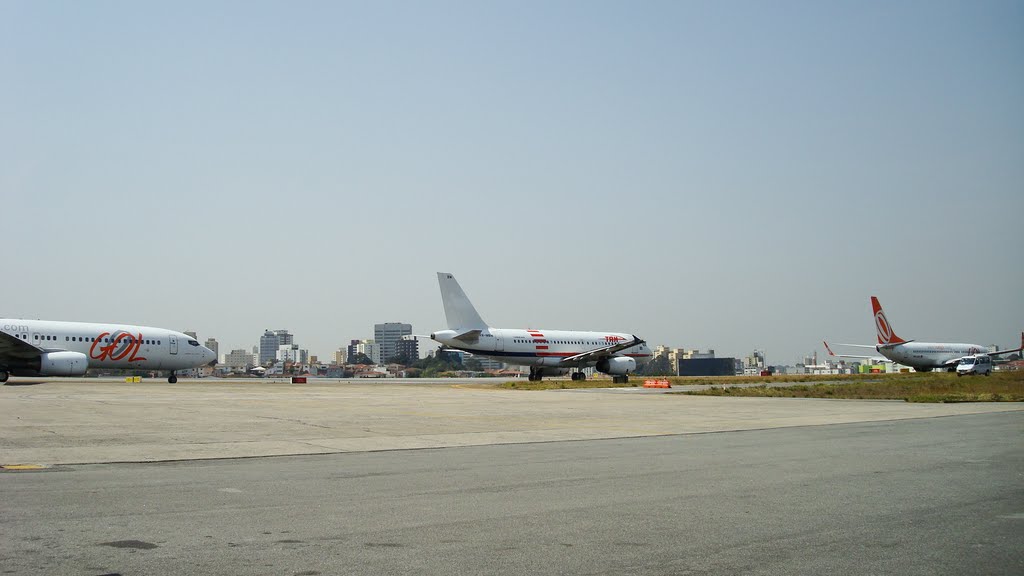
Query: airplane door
[
  {"x": 174, "y": 344},
  {"x": 499, "y": 344}
]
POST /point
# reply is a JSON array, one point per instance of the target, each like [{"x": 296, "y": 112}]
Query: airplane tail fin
[
  {"x": 886, "y": 336},
  {"x": 458, "y": 310}
]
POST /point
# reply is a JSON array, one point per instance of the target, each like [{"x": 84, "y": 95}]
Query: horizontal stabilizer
[{"x": 469, "y": 336}]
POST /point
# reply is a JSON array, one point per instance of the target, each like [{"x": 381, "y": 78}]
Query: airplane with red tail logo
[
  {"x": 54, "y": 348},
  {"x": 546, "y": 352},
  {"x": 921, "y": 356}
]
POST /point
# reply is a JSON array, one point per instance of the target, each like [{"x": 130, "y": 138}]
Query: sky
[{"x": 728, "y": 175}]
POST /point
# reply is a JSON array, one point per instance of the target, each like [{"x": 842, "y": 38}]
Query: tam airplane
[
  {"x": 546, "y": 352},
  {"x": 53, "y": 348},
  {"x": 921, "y": 356}
]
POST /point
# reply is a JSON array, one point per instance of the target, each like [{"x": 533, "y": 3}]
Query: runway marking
[{"x": 22, "y": 466}]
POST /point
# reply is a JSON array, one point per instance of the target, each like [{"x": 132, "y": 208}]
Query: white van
[{"x": 977, "y": 364}]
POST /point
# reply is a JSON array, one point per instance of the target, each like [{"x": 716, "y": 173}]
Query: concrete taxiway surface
[
  {"x": 78, "y": 421},
  {"x": 649, "y": 484},
  {"x": 928, "y": 496}
]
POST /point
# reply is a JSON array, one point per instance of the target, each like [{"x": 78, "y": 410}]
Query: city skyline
[{"x": 734, "y": 176}]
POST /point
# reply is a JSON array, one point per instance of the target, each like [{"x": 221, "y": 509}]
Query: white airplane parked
[
  {"x": 921, "y": 356},
  {"x": 546, "y": 352},
  {"x": 53, "y": 348}
]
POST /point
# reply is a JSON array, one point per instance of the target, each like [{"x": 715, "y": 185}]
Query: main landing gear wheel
[
  {"x": 578, "y": 376},
  {"x": 534, "y": 374},
  {"x": 172, "y": 378},
  {"x": 4, "y": 375}
]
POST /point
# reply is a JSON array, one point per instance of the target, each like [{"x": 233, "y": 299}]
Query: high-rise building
[
  {"x": 368, "y": 347},
  {"x": 288, "y": 353},
  {"x": 284, "y": 338},
  {"x": 388, "y": 335},
  {"x": 341, "y": 356},
  {"x": 269, "y": 344},
  {"x": 212, "y": 344},
  {"x": 408, "y": 348}
]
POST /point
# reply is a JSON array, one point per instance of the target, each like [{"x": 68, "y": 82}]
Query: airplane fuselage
[
  {"x": 121, "y": 346},
  {"x": 542, "y": 347},
  {"x": 929, "y": 354}
]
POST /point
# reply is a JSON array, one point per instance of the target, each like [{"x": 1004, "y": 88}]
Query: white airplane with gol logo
[
  {"x": 53, "y": 348},
  {"x": 921, "y": 356},
  {"x": 546, "y": 352}
]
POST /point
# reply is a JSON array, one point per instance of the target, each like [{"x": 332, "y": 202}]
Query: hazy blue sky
[{"x": 728, "y": 175}]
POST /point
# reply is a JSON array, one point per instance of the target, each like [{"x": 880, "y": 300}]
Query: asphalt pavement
[{"x": 921, "y": 496}]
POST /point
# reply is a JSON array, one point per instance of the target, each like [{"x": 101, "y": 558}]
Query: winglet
[{"x": 886, "y": 336}]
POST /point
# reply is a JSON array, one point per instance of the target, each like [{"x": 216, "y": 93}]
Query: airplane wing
[
  {"x": 16, "y": 349},
  {"x": 854, "y": 345},
  {"x": 956, "y": 361},
  {"x": 875, "y": 359},
  {"x": 595, "y": 355},
  {"x": 873, "y": 347},
  {"x": 1010, "y": 351}
]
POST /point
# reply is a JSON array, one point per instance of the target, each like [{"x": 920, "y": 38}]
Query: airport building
[
  {"x": 706, "y": 367},
  {"x": 485, "y": 362},
  {"x": 388, "y": 335}
]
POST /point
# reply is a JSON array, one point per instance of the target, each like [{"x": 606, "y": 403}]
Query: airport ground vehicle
[{"x": 976, "y": 364}]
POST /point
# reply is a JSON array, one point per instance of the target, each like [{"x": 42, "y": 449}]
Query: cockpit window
[{"x": 193, "y": 343}]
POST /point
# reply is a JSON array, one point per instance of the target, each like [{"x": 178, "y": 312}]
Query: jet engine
[
  {"x": 616, "y": 365},
  {"x": 63, "y": 364}
]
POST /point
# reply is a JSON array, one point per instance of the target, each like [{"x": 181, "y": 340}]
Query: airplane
[
  {"x": 921, "y": 356},
  {"x": 57, "y": 348},
  {"x": 546, "y": 352}
]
